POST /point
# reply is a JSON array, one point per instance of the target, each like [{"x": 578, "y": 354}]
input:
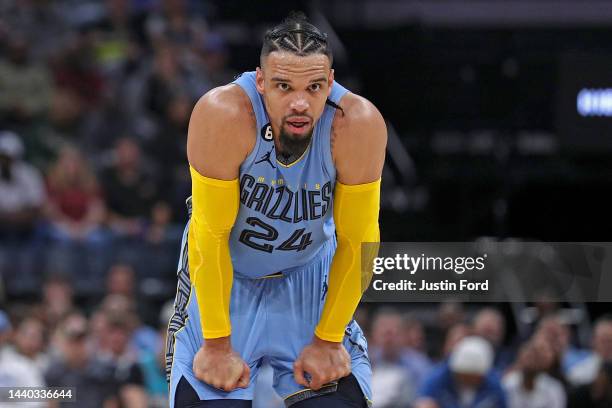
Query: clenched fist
[
  {"x": 324, "y": 361},
  {"x": 217, "y": 364}
]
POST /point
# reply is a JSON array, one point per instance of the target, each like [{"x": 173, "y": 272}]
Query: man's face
[
  {"x": 602, "y": 341},
  {"x": 465, "y": 380},
  {"x": 294, "y": 89}
]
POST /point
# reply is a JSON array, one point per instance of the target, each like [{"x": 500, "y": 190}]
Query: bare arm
[
  {"x": 359, "y": 140},
  {"x": 221, "y": 135}
]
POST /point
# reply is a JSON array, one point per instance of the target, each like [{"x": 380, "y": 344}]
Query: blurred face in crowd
[
  {"x": 450, "y": 314},
  {"x": 535, "y": 357},
  {"x": 386, "y": 334},
  {"x": 294, "y": 89},
  {"x": 71, "y": 164},
  {"x": 545, "y": 353},
  {"x": 471, "y": 381},
  {"x": 118, "y": 337},
  {"x": 454, "y": 335},
  {"x": 127, "y": 153},
  {"x": 414, "y": 336},
  {"x": 602, "y": 340},
  {"x": 121, "y": 280},
  {"x": 29, "y": 337},
  {"x": 555, "y": 332},
  {"x": 73, "y": 335},
  {"x": 490, "y": 325},
  {"x": 57, "y": 296}
]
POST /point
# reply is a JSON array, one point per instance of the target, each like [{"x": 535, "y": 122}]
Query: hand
[
  {"x": 324, "y": 361},
  {"x": 217, "y": 364}
]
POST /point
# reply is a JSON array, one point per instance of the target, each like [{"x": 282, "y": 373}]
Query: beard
[{"x": 292, "y": 147}]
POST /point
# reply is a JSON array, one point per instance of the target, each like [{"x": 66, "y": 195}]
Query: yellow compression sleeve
[
  {"x": 214, "y": 209},
  {"x": 356, "y": 216}
]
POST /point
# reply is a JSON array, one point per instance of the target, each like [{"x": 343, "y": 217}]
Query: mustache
[{"x": 288, "y": 117}]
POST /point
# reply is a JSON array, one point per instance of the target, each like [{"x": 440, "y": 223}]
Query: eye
[
  {"x": 283, "y": 86},
  {"x": 315, "y": 87}
]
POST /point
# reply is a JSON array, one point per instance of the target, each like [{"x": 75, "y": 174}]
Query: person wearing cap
[
  {"x": 465, "y": 380},
  {"x": 75, "y": 365},
  {"x": 21, "y": 191}
]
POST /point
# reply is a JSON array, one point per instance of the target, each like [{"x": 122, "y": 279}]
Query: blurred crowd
[
  {"x": 448, "y": 355},
  {"x": 95, "y": 99},
  {"x": 460, "y": 358}
]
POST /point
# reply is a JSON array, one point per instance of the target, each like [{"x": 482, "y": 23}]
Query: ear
[
  {"x": 330, "y": 81},
  {"x": 259, "y": 80}
]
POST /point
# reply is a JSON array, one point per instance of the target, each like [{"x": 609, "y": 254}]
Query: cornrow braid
[{"x": 296, "y": 35}]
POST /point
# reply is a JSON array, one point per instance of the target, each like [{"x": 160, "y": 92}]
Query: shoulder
[
  {"x": 358, "y": 116},
  {"x": 358, "y": 140},
  {"x": 439, "y": 375},
  {"x": 221, "y": 131},
  {"x": 228, "y": 102},
  {"x": 494, "y": 382}
]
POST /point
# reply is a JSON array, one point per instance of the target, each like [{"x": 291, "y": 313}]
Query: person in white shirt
[
  {"x": 527, "y": 385},
  {"x": 586, "y": 371},
  {"x": 22, "y": 190}
]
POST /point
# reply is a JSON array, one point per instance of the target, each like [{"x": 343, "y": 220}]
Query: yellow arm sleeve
[
  {"x": 356, "y": 216},
  {"x": 214, "y": 209}
]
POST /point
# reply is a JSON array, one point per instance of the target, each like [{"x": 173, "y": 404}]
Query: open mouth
[{"x": 298, "y": 125}]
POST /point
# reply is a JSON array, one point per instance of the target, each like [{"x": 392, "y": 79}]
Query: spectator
[
  {"x": 597, "y": 394},
  {"x": 392, "y": 380},
  {"x": 129, "y": 188},
  {"x": 142, "y": 337},
  {"x": 16, "y": 369},
  {"x": 454, "y": 335},
  {"x": 528, "y": 385},
  {"x": 153, "y": 363},
  {"x": 75, "y": 208},
  {"x": 121, "y": 280},
  {"x": 160, "y": 229},
  {"x": 586, "y": 371},
  {"x": 448, "y": 315},
  {"x": 115, "y": 350},
  {"x": 76, "y": 366},
  {"x": 214, "y": 58},
  {"x": 175, "y": 23},
  {"x": 21, "y": 191},
  {"x": 25, "y": 86},
  {"x": 30, "y": 342},
  {"x": 413, "y": 354},
  {"x": 466, "y": 380},
  {"x": 490, "y": 324},
  {"x": 57, "y": 299},
  {"x": 557, "y": 334}
]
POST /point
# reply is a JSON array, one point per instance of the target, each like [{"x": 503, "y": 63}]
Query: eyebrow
[
  {"x": 322, "y": 79},
  {"x": 279, "y": 79}
]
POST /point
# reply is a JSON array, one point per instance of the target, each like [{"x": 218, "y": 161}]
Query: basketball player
[{"x": 282, "y": 160}]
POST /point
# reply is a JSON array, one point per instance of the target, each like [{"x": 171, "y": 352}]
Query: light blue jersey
[
  {"x": 285, "y": 214},
  {"x": 282, "y": 245}
]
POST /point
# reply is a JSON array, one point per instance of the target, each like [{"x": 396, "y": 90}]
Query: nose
[{"x": 299, "y": 104}]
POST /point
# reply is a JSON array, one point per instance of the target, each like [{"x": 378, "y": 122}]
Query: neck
[{"x": 529, "y": 380}]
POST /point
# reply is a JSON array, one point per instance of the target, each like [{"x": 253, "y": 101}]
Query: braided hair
[{"x": 297, "y": 36}]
